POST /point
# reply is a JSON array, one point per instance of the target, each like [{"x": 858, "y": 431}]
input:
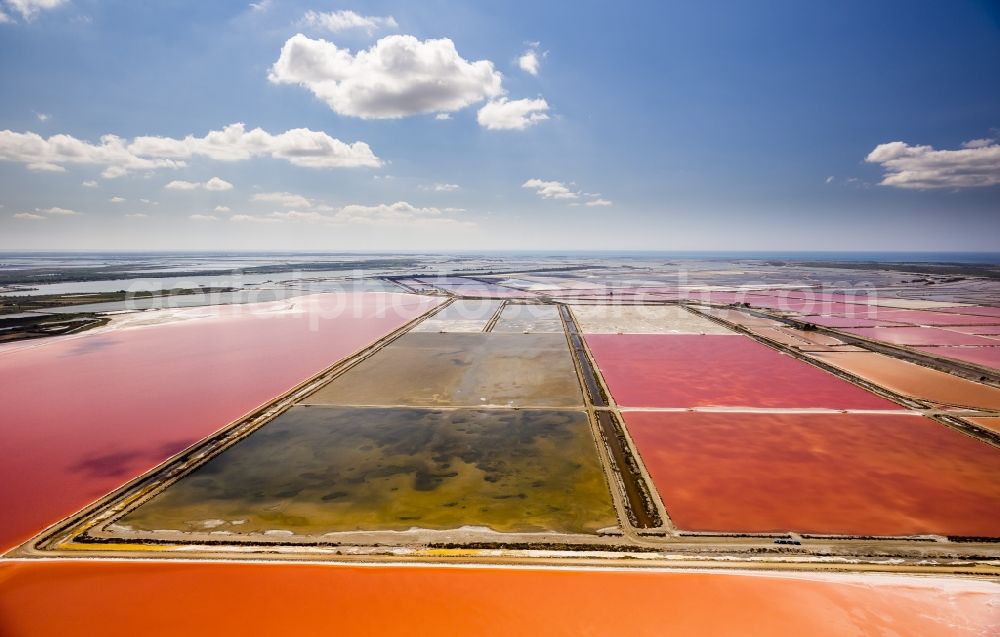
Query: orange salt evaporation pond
[
  {"x": 914, "y": 380},
  {"x": 152, "y": 599},
  {"x": 84, "y": 414},
  {"x": 985, "y": 356},
  {"x": 695, "y": 370},
  {"x": 849, "y": 474}
]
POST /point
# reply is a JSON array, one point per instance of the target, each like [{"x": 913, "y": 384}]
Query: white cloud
[
  {"x": 261, "y": 6},
  {"x": 561, "y": 190},
  {"x": 442, "y": 117},
  {"x": 117, "y": 200},
  {"x": 504, "y": 114},
  {"x": 978, "y": 143},
  {"x": 180, "y": 184},
  {"x": 399, "y": 214},
  {"x": 55, "y": 210},
  {"x": 829, "y": 179},
  {"x": 28, "y": 216},
  {"x": 29, "y": 8},
  {"x": 529, "y": 62},
  {"x": 44, "y": 166},
  {"x": 906, "y": 166},
  {"x": 147, "y": 201},
  {"x": 296, "y": 215},
  {"x": 136, "y": 215},
  {"x": 42, "y": 117},
  {"x": 218, "y": 184},
  {"x": 4, "y": 18},
  {"x": 551, "y": 189},
  {"x": 253, "y": 219},
  {"x": 300, "y": 147},
  {"x": 90, "y": 183},
  {"x": 336, "y": 21},
  {"x": 221, "y": 209},
  {"x": 286, "y": 199},
  {"x": 197, "y": 217},
  {"x": 398, "y": 76},
  {"x": 212, "y": 184},
  {"x": 439, "y": 187}
]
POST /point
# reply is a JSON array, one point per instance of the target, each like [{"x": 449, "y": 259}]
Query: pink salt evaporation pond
[
  {"x": 84, "y": 414},
  {"x": 985, "y": 356},
  {"x": 920, "y": 336},
  {"x": 701, "y": 370}
]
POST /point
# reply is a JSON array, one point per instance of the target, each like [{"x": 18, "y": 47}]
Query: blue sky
[{"x": 662, "y": 125}]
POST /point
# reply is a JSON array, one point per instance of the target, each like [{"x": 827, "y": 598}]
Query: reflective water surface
[{"x": 317, "y": 470}]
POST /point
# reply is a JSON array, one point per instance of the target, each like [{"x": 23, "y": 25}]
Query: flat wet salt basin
[
  {"x": 853, "y": 474},
  {"x": 317, "y": 470},
  {"x": 461, "y": 370}
]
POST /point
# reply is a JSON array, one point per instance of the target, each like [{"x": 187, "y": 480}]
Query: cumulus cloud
[
  {"x": 978, "y": 143},
  {"x": 42, "y": 117},
  {"x": 336, "y": 21},
  {"x": 398, "y": 76},
  {"x": 180, "y": 184},
  {"x": 300, "y": 147},
  {"x": 221, "y": 209},
  {"x": 56, "y": 210},
  {"x": 977, "y": 163},
  {"x": 90, "y": 183},
  {"x": 44, "y": 166},
  {"x": 253, "y": 219},
  {"x": 117, "y": 200},
  {"x": 551, "y": 189},
  {"x": 531, "y": 60},
  {"x": 442, "y": 117},
  {"x": 286, "y": 199},
  {"x": 197, "y": 217},
  {"x": 28, "y": 216},
  {"x": 30, "y": 8},
  {"x": 504, "y": 114},
  {"x": 399, "y": 214},
  {"x": 561, "y": 190},
  {"x": 212, "y": 184},
  {"x": 439, "y": 187}
]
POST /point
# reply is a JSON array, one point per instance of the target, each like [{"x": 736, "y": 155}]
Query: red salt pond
[
  {"x": 991, "y": 330},
  {"x": 920, "y": 336},
  {"x": 985, "y": 356},
  {"x": 219, "y": 600},
  {"x": 935, "y": 317},
  {"x": 974, "y": 310},
  {"x": 695, "y": 370},
  {"x": 860, "y": 320},
  {"x": 84, "y": 414},
  {"x": 853, "y": 474}
]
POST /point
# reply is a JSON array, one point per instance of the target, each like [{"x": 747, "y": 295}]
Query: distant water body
[{"x": 981, "y": 258}]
